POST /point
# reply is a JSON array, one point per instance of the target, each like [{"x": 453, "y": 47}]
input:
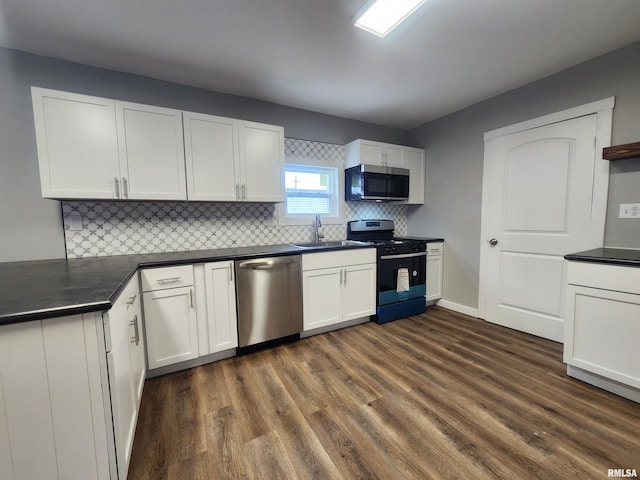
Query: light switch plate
[{"x": 629, "y": 210}]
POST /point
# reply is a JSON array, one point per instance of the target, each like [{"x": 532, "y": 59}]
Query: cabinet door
[
  {"x": 371, "y": 153},
  {"x": 415, "y": 162},
  {"x": 136, "y": 348},
  {"x": 77, "y": 145},
  {"x": 211, "y": 153},
  {"x": 602, "y": 329},
  {"x": 359, "y": 296},
  {"x": 321, "y": 297},
  {"x": 123, "y": 400},
  {"x": 261, "y": 162},
  {"x": 170, "y": 326},
  {"x": 151, "y": 152},
  {"x": 434, "y": 277},
  {"x": 221, "y": 306},
  {"x": 393, "y": 156}
]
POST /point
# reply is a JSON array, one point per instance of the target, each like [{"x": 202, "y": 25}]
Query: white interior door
[{"x": 538, "y": 205}]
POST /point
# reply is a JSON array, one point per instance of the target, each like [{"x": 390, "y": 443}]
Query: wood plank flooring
[{"x": 439, "y": 395}]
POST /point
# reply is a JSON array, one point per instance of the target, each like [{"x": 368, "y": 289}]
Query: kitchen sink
[{"x": 329, "y": 243}]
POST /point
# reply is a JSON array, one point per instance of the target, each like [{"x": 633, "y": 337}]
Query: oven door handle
[{"x": 403, "y": 255}]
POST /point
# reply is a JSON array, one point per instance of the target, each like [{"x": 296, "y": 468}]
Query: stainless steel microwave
[{"x": 376, "y": 183}]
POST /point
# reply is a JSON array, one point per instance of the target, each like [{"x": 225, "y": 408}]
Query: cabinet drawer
[
  {"x": 607, "y": 277},
  {"x": 435, "y": 248},
  {"x": 166, "y": 277},
  {"x": 342, "y": 258}
]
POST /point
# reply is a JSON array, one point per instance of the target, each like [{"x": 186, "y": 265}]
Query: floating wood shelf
[{"x": 620, "y": 152}]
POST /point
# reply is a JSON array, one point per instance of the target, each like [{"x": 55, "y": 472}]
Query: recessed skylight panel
[{"x": 382, "y": 16}]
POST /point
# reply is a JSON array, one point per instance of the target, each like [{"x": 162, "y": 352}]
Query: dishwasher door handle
[{"x": 265, "y": 265}]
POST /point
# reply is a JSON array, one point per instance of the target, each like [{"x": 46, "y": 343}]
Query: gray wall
[
  {"x": 31, "y": 227},
  {"x": 455, "y": 151}
]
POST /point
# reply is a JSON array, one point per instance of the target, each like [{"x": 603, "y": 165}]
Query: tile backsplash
[{"x": 118, "y": 228}]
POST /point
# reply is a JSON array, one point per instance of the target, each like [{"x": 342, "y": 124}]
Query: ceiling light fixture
[{"x": 382, "y": 16}]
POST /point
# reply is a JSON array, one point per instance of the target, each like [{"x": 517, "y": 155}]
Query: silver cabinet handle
[
  {"x": 345, "y": 276},
  {"x": 238, "y": 191},
  {"x": 169, "y": 280},
  {"x": 230, "y": 273},
  {"x": 115, "y": 179},
  {"x": 136, "y": 330},
  {"x": 244, "y": 191},
  {"x": 340, "y": 276},
  {"x": 125, "y": 186},
  {"x": 493, "y": 242},
  {"x": 191, "y": 297},
  {"x": 435, "y": 250}
]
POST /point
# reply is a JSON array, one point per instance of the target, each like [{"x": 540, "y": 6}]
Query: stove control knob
[
  {"x": 387, "y": 250},
  {"x": 414, "y": 247},
  {"x": 393, "y": 249}
]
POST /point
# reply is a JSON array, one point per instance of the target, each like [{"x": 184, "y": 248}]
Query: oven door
[{"x": 390, "y": 290}]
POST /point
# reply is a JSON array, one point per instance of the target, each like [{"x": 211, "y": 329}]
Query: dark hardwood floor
[{"x": 439, "y": 395}]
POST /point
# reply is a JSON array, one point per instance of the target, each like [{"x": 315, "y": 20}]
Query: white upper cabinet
[
  {"x": 415, "y": 163},
  {"x": 77, "y": 145},
  {"x": 233, "y": 160},
  {"x": 369, "y": 152},
  {"x": 96, "y": 148},
  {"x": 151, "y": 152},
  {"x": 211, "y": 154},
  {"x": 261, "y": 165}
]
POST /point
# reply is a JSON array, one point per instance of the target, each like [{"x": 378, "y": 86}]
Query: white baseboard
[{"x": 457, "y": 307}]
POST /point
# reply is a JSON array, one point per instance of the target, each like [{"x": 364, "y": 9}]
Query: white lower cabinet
[
  {"x": 169, "y": 315},
  {"x": 435, "y": 264},
  {"x": 602, "y": 325},
  {"x": 338, "y": 287},
  {"x": 126, "y": 369},
  {"x": 219, "y": 330},
  {"x": 55, "y": 406}
]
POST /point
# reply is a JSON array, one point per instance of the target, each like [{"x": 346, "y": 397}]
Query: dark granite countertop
[
  {"x": 35, "y": 290},
  {"x": 611, "y": 256}
]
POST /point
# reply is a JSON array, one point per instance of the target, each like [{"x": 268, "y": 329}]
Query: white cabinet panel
[
  {"x": 151, "y": 152},
  {"x": 221, "y": 306},
  {"x": 261, "y": 162},
  {"x": 77, "y": 145},
  {"x": 6, "y": 464},
  {"x": 211, "y": 153},
  {"x": 434, "y": 277},
  {"x": 370, "y": 152},
  {"x": 322, "y": 297},
  {"x": 601, "y": 333},
  {"x": 415, "y": 162},
  {"x": 27, "y": 405},
  {"x": 338, "y": 287},
  {"x": 171, "y": 326},
  {"x": 53, "y": 419},
  {"x": 136, "y": 347},
  {"x": 64, "y": 343},
  {"x": 123, "y": 401},
  {"x": 359, "y": 298}
]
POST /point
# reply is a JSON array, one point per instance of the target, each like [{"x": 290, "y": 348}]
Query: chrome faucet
[{"x": 319, "y": 234}]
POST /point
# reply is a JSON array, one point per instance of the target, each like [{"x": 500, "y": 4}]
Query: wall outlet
[
  {"x": 629, "y": 210},
  {"x": 74, "y": 222}
]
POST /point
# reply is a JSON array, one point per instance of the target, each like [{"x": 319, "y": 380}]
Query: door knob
[{"x": 493, "y": 242}]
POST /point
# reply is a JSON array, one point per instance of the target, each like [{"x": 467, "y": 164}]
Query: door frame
[{"x": 603, "y": 109}]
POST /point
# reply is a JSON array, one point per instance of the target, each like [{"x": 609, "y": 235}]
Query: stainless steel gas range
[{"x": 402, "y": 268}]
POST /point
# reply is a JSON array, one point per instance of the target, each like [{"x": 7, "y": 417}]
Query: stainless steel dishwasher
[{"x": 269, "y": 293}]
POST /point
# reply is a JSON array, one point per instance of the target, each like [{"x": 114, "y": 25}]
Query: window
[{"x": 310, "y": 189}]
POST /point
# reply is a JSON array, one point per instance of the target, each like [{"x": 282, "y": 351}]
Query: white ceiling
[{"x": 306, "y": 53}]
